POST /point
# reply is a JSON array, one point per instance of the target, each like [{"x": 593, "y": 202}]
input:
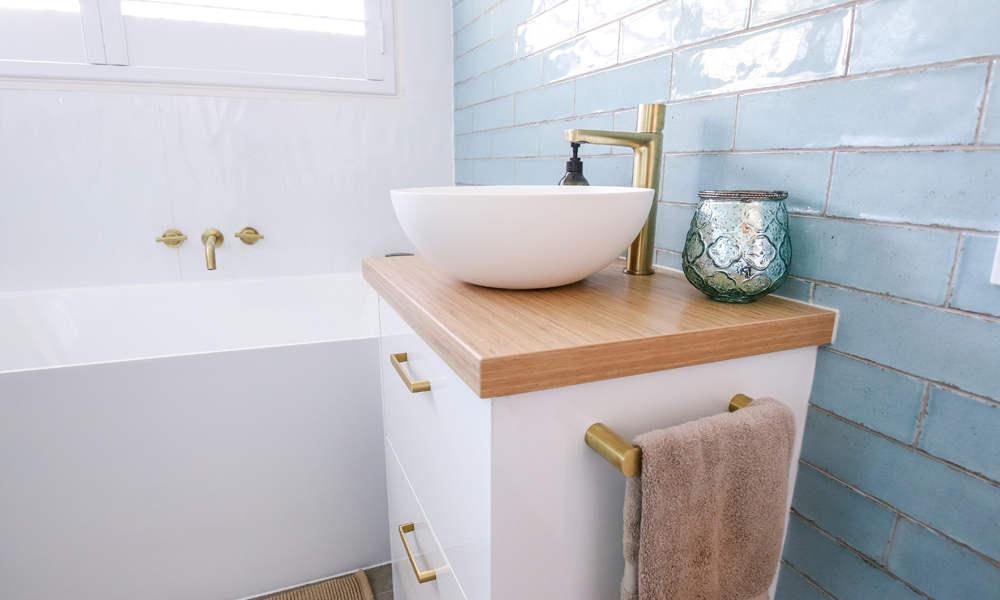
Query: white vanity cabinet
[{"x": 507, "y": 500}]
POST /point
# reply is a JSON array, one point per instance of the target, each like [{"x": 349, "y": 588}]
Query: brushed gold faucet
[
  {"x": 212, "y": 238},
  {"x": 647, "y": 146}
]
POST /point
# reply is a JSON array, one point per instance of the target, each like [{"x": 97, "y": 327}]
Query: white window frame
[{"x": 104, "y": 39}]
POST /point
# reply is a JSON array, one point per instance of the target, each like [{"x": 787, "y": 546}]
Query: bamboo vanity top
[{"x": 503, "y": 342}]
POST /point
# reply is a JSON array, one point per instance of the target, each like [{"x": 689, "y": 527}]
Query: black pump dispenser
[{"x": 574, "y": 169}]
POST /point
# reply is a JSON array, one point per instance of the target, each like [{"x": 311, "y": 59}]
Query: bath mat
[{"x": 348, "y": 587}]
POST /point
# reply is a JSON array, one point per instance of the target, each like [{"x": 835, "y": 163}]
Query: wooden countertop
[{"x": 503, "y": 342}]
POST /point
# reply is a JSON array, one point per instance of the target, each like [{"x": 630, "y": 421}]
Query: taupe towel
[{"x": 705, "y": 519}]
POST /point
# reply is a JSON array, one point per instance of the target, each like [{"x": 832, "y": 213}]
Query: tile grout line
[
  {"x": 982, "y": 107},
  {"x": 829, "y": 184},
  {"x": 765, "y": 89},
  {"x": 911, "y": 302},
  {"x": 892, "y": 538},
  {"x": 808, "y": 579},
  {"x": 954, "y": 270},
  {"x": 850, "y": 40},
  {"x": 942, "y": 385},
  {"x": 736, "y": 124},
  {"x": 924, "y": 453},
  {"x": 722, "y": 37},
  {"x": 868, "y": 560},
  {"x": 922, "y": 415},
  {"x": 899, "y": 512}
]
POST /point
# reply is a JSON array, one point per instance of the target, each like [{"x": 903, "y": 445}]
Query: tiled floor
[{"x": 380, "y": 579}]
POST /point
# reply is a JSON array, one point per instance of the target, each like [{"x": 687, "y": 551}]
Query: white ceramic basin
[{"x": 522, "y": 237}]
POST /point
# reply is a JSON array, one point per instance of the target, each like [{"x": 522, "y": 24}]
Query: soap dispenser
[{"x": 574, "y": 169}]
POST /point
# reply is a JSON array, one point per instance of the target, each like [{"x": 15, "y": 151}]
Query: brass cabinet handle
[
  {"x": 413, "y": 386},
  {"x": 422, "y": 576}
]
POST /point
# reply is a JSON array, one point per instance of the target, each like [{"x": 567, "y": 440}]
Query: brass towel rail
[{"x": 624, "y": 456}]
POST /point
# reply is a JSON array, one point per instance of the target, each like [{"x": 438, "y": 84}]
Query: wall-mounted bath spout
[
  {"x": 647, "y": 145},
  {"x": 212, "y": 238}
]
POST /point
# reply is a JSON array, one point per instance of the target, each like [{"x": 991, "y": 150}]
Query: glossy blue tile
[
  {"x": 940, "y": 106},
  {"x": 473, "y": 145},
  {"x": 472, "y": 91},
  {"x": 766, "y": 11},
  {"x": 973, "y": 290},
  {"x": 674, "y": 24},
  {"x": 607, "y": 170},
  {"x": 510, "y": 13},
  {"x": 498, "y": 51},
  {"x": 963, "y": 430},
  {"x": 548, "y": 29},
  {"x": 517, "y": 77},
  {"x": 474, "y": 34},
  {"x": 796, "y": 289},
  {"x": 700, "y": 126},
  {"x": 896, "y": 334},
  {"x": 869, "y": 257},
  {"x": 840, "y": 571},
  {"x": 939, "y": 567},
  {"x": 672, "y": 224},
  {"x": 961, "y": 506},
  {"x": 519, "y": 141},
  {"x": 645, "y": 82},
  {"x": 956, "y": 189},
  {"x": 889, "y": 34},
  {"x": 464, "y": 171},
  {"x": 596, "y": 12},
  {"x": 862, "y": 523},
  {"x": 493, "y": 114},
  {"x": 544, "y": 104},
  {"x": 463, "y": 121},
  {"x": 668, "y": 259},
  {"x": 539, "y": 171},
  {"x": 625, "y": 120},
  {"x": 991, "y": 114},
  {"x": 494, "y": 172},
  {"x": 802, "y": 175},
  {"x": 552, "y": 143},
  {"x": 806, "y": 50},
  {"x": 591, "y": 51},
  {"x": 792, "y": 586},
  {"x": 463, "y": 69},
  {"x": 467, "y": 11},
  {"x": 878, "y": 399}
]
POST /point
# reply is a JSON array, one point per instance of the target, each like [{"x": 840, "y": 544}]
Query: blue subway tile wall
[{"x": 881, "y": 118}]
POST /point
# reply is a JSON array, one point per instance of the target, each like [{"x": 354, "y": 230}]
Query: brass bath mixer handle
[{"x": 249, "y": 236}]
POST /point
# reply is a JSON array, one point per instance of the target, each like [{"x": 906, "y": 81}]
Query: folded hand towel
[{"x": 705, "y": 519}]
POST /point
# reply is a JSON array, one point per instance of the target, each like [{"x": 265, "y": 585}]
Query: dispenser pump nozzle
[{"x": 574, "y": 169}]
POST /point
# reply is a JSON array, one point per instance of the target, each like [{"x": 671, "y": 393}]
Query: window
[{"x": 313, "y": 45}]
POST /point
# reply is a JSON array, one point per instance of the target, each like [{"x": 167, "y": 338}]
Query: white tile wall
[{"x": 88, "y": 180}]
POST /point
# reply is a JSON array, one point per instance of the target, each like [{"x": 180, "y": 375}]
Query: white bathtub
[{"x": 207, "y": 441}]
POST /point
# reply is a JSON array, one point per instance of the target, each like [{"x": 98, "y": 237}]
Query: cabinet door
[
  {"x": 423, "y": 544},
  {"x": 442, "y": 439}
]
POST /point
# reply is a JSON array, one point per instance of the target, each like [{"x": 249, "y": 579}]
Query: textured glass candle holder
[{"x": 738, "y": 249}]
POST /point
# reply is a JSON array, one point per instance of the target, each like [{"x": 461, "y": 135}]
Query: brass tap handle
[
  {"x": 172, "y": 238},
  {"x": 249, "y": 236}
]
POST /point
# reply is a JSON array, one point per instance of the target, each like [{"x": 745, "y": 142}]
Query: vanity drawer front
[
  {"x": 442, "y": 440},
  {"x": 403, "y": 509}
]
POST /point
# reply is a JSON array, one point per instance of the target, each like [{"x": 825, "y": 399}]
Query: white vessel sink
[{"x": 522, "y": 237}]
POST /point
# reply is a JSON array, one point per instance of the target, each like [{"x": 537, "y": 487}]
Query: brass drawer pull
[
  {"x": 422, "y": 576},
  {"x": 413, "y": 386}
]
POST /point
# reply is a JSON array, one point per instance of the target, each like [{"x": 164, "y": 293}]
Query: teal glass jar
[{"x": 738, "y": 249}]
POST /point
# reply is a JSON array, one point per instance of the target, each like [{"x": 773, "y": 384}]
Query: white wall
[{"x": 89, "y": 178}]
